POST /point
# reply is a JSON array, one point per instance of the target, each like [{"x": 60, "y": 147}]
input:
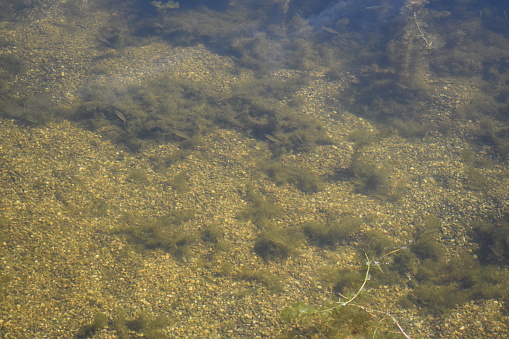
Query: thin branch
[
  {"x": 394, "y": 320},
  {"x": 366, "y": 278},
  {"x": 371, "y": 312},
  {"x": 428, "y": 43}
]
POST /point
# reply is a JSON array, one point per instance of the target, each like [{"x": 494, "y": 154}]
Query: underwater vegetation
[
  {"x": 493, "y": 240},
  {"x": 455, "y": 39},
  {"x": 211, "y": 234},
  {"x": 346, "y": 318},
  {"x": 333, "y": 232},
  {"x": 342, "y": 280},
  {"x": 260, "y": 35},
  {"x": 476, "y": 47},
  {"x": 441, "y": 286},
  {"x": 148, "y": 326},
  {"x": 163, "y": 233},
  {"x": 259, "y": 210},
  {"x": 142, "y": 324},
  {"x": 441, "y": 282},
  {"x": 99, "y": 321},
  {"x": 387, "y": 88},
  {"x": 490, "y": 113},
  {"x": 162, "y": 110},
  {"x": 268, "y": 109},
  {"x": 277, "y": 243},
  {"x": 389, "y": 47},
  {"x": 10, "y": 66},
  {"x": 301, "y": 178},
  {"x": 180, "y": 182},
  {"x": 336, "y": 321},
  {"x": 261, "y": 276},
  {"x": 475, "y": 180},
  {"x": 368, "y": 177},
  {"x": 33, "y": 110},
  {"x": 169, "y": 109},
  {"x": 30, "y": 109},
  {"x": 438, "y": 281},
  {"x": 469, "y": 40},
  {"x": 10, "y": 8}
]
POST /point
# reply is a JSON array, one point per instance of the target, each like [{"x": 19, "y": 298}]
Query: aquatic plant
[
  {"x": 99, "y": 321},
  {"x": 211, "y": 234},
  {"x": 344, "y": 318},
  {"x": 277, "y": 243},
  {"x": 370, "y": 178},
  {"x": 168, "y": 109},
  {"x": 162, "y": 233},
  {"x": 180, "y": 182},
  {"x": 491, "y": 237},
  {"x": 262, "y": 276},
  {"x": 259, "y": 210},
  {"x": 142, "y": 324},
  {"x": 333, "y": 232},
  {"x": 303, "y": 179}
]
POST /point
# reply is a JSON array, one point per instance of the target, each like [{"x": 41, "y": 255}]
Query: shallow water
[{"x": 254, "y": 169}]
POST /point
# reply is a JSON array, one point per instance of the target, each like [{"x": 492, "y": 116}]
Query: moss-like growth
[
  {"x": 493, "y": 241},
  {"x": 307, "y": 181},
  {"x": 363, "y": 137},
  {"x": 337, "y": 322},
  {"x": 98, "y": 207},
  {"x": 442, "y": 285},
  {"x": 163, "y": 233},
  {"x": 119, "y": 325},
  {"x": 32, "y": 110},
  {"x": 214, "y": 236},
  {"x": 161, "y": 110},
  {"x": 10, "y": 65},
  {"x": 343, "y": 281},
  {"x": 259, "y": 109},
  {"x": 263, "y": 276},
  {"x": 99, "y": 322},
  {"x": 476, "y": 47},
  {"x": 211, "y": 234},
  {"x": 277, "y": 243},
  {"x": 475, "y": 179},
  {"x": 165, "y": 162},
  {"x": 437, "y": 299},
  {"x": 317, "y": 232},
  {"x": 180, "y": 182},
  {"x": 426, "y": 245},
  {"x": 383, "y": 96},
  {"x": 404, "y": 262},
  {"x": 168, "y": 109},
  {"x": 143, "y": 324},
  {"x": 376, "y": 244},
  {"x": 429, "y": 249},
  {"x": 259, "y": 210},
  {"x": 303, "y": 179},
  {"x": 138, "y": 175},
  {"x": 150, "y": 327},
  {"x": 370, "y": 178},
  {"x": 332, "y": 233}
]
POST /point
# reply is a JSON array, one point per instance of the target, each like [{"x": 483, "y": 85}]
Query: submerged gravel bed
[
  {"x": 65, "y": 191},
  {"x": 69, "y": 197}
]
